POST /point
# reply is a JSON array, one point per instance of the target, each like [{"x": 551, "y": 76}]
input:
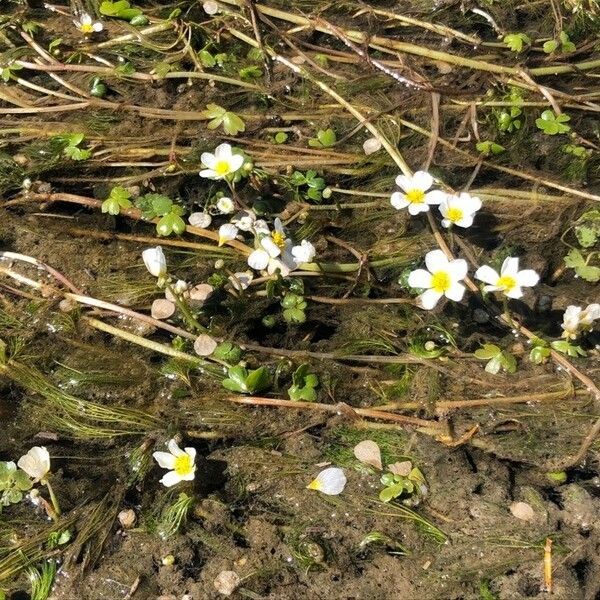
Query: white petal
[
  {"x": 98, "y": 26},
  {"x": 419, "y": 279},
  {"x": 86, "y": 20},
  {"x": 429, "y": 299},
  {"x": 422, "y": 180},
  {"x": 275, "y": 264},
  {"x": 465, "y": 222},
  {"x": 415, "y": 209},
  {"x": 330, "y": 481},
  {"x": 208, "y": 160},
  {"x": 270, "y": 246},
  {"x": 457, "y": 269},
  {"x": 174, "y": 448},
  {"x": 209, "y": 174},
  {"x": 258, "y": 260},
  {"x": 223, "y": 152},
  {"x": 487, "y": 275},
  {"x": 446, "y": 223},
  {"x": 36, "y": 463},
  {"x": 399, "y": 200},
  {"x": 165, "y": 460},
  {"x": 436, "y": 261},
  {"x": 404, "y": 182},
  {"x": 189, "y": 476},
  {"x": 470, "y": 203},
  {"x": 592, "y": 311},
  {"x": 435, "y": 197},
  {"x": 236, "y": 162},
  {"x": 510, "y": 266},
  {"x": 170, "y": 479},
  {"x": 191, "y": 452},
  {"x": 303, "y": 253},
  {"x": 516, "y": 292},
  {"x": 455, "y": 292},
  {"x": 490, "y": 288},
  {"x": 527, "y": 278},
  {"x": 227, "y": 232},
  {"x": 155, "y": 261}
]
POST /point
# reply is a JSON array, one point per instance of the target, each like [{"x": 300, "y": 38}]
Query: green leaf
[
  {"x": 508, "y": 361},
  {"x": 389, "y": 493},
  {"x": 233, "y": 124},
  {"x": 552, "y": 124},
  {"x": 161, "y": 205},
  {"x": 539, "y": 355},
  {"x": 258, "y": 380},
  {"x": 550, "y": 46},
  {"x": 487, "y": 351},
  {"x": 487, "y": 148},
  {"x": 207, "y": 59},
  {"x": 567, "y": 348},
  {"x": 236, "y": 380},
  {"x": 161, "y": 69},
  {"x": 251, "y": 72},
  {"x": 295, "y": 316},
  {"x": 516, "y": 41},
  {"x": 325, "y": 139},
  {"x": 228, "y": 352},
  {"x": 303, "y": 384},
  {"x": 566, "y": 44},
  {"x": 281, "y": 137}
]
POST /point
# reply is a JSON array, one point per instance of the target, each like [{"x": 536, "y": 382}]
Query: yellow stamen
[
  {"x": 86, "y": 28},
  {"x": 506, "y": 283},
  {"x": 183, "y": 465},
  {"x": 222, "y": 167},
  {"x": 315, "y": 484},
  {"x": 415, "y": 196},
  {"x": 454, "y": 214},
  {"x": 441, "y": 282},
  {"x": 278, "y": 238}
]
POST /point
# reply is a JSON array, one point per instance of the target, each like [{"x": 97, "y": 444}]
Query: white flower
[
  {"x": 225, "y": 205},
  {"x": 240, "y": 281},
  {"x": 87, "y": 25},
  {"x": 200, "y": 219},
  {"x": 36, "y": 463},
  {"x": 576, "y": 320},
  {"x": 273, "y": 252},
  {"x": 459, "y": 210},
  {"x": 210, "y": 7},
  {"x": 227, "y": 232},
  {"x": 245, "y": 220},
  {"x": 155, "y": 261},
  {"x": 179, "y": 288},
  {"x": 414, "y": 193},
  {"x": 304, "y": 253},
  {"x": 442, "y": 278},
  {"x": 371, "y": 146},
  {"x": 509, "y": 281},
  {"x": 181, "y": 464},
  {"x": 330, "y": 481},
  {"x": 222, "y": 163}
]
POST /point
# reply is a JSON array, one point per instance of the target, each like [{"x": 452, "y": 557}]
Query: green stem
[
  {"x": 185, "y": 311},
  {"x": 53, "y": 500}
]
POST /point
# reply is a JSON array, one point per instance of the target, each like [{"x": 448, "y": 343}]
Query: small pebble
[{"x": 227, "y": 582}]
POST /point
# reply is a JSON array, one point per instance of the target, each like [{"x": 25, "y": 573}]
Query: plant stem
[{"x": 53, "y": 499}]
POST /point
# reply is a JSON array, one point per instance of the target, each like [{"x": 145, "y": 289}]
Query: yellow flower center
[
  {"x": 278, "y": 238},
  {"x": 222, "y": 167},
  {"x": 506, "y": 283},
  {"x": 315, "y": 484},
  {"x": 454, "y": 214},
  {"x": 415, "y": 196},
  {"x": 441, "y": 282},
  {"x": 183, "y": 465},
  {"x": 86, "y": 28}
]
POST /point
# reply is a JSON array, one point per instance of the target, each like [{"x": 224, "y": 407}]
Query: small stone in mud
[
  {"x": 127, "y": 518},
  {"x": 162, "y": 309},
  {"x": 227, "y": 582},
  {"x": 204, "y": 345},
  {"x": 523, "y": 511}
]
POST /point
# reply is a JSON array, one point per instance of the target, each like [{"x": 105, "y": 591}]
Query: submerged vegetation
[{"x": 299, "y": 296}]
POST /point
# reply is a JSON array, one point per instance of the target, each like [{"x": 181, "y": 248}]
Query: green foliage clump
[
  {"x": 241, "y": 380},
  {"x": 13, "y": 482},
  {"x": 303, "y": 384},
  {"x": 232, "y": 124},
  {"x": 122, "y": 9},
  {"x": 157, "y": 205},
  {"x": 552, "y": 124},
  {"x": 119, "y": 198},
  {"x": 497, "y": 359}
]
